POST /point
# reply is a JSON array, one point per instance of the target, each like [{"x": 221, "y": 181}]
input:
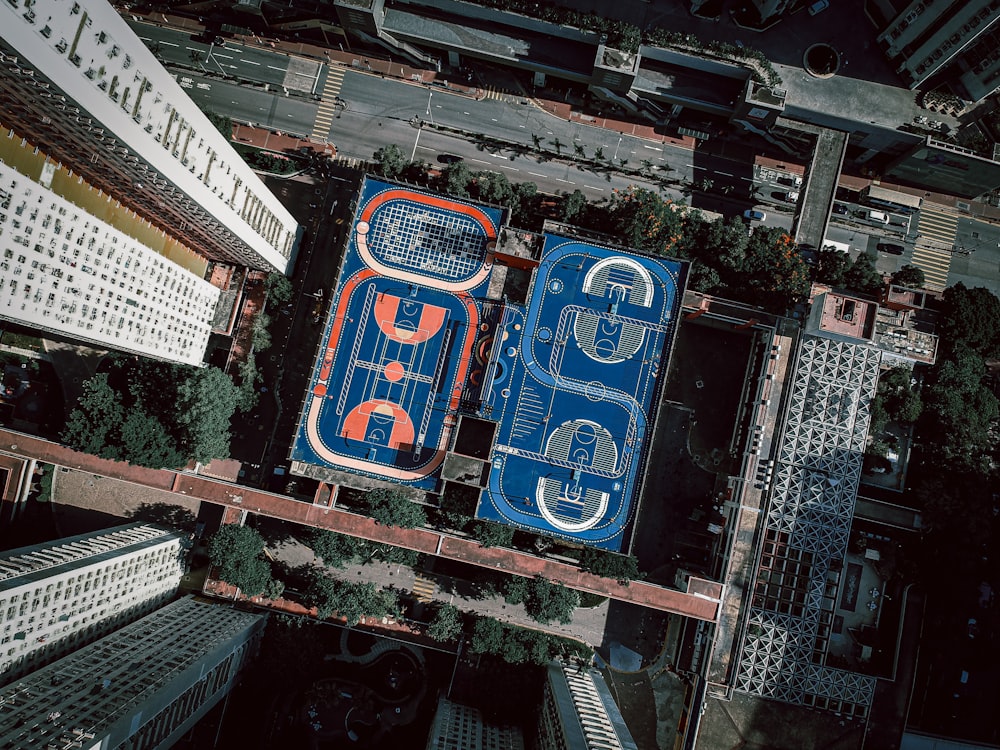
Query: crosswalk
[
  {"x": 328, "y": 103},
  {"x": 424, "y": 588},
  {"x": 501, "y": 94},
  {"x": 936, "y": 232}
]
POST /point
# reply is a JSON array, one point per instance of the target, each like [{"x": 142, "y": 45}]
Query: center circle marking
[
  {"x": 595, "y": 390},
  {"x": 394, "y": 371}
]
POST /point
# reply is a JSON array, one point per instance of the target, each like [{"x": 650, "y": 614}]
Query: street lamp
[
  {"x": 430, "y": 93},
  {"x": 613, "y": 158}
]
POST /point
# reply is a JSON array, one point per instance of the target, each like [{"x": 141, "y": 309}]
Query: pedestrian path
[
  {"x": 424, "y": 588},
  {"x": 936, "y": 231},
  {"x": 501, "y": 93},
  {"x": 329, "y": 102}
]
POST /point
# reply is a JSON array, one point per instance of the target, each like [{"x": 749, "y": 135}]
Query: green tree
[
  {"x": 494, "y": 187},
  {"x": 909, "y": 275},
  {"x": 206, "y": 401},
  {"x": 390, "y": 161},
  {"x": 543, "y": 600},
  {"x": 92, "y": 425},
  {"x": 456, "y": 179},
  {"x": 238, "y": 554},
  {"x": 862, "y": 275},
  {"x": 492, "y": 534},
  {"x": 970, "y": 318},
  {"x": 572, "y": 204},
  {"x": 446, "y": 625},
  {"x": 392, "y": 508},
  {"x": 146, "y": 442},
  {"x": 773, "y": 273},
  {"x": 321, "y": 592},
  {"x": 622, "y": 568},
  {"x": 260, "y": 336},
  {"x": 643, "y": 220},
  {"x": 831, "y": 266},
  {"x": 279, "y": 289},
  {"x": 335, "y": 550},
  {"x": 960, "y": 413}
]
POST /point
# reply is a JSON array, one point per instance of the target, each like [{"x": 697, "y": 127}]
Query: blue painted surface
[
  {"x": 571, "y": 377},
  {"x": 582, "y": 362}
]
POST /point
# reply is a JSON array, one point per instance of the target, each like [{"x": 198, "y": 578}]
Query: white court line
[
  {"x": 535, "y": 174},
  {"x": 591, "y": 187}
]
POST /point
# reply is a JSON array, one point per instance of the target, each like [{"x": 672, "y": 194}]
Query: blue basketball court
[{"x": 571, "y": 378}]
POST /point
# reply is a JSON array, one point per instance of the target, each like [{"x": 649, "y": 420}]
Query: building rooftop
[
  {"x": 25, "y": 564},
  {"x": 845, "y": 316},
  {"x": 569, "y": 377}
]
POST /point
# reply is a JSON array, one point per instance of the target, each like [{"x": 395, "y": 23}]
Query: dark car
[
  {"x": 840, "y": 208},
  {"x": 891, "y": 248},
  {"x": 449, "y": 158}
]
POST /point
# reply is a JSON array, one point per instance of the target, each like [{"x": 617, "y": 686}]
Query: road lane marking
[
  {"x": 535, "y": 174},
  {"x": 274, "y": 67},
  {"x": 512, "y": 169},
  {"x": 566, "y": 181},
  {"x": 591, "y": 187},
  {"x": 479, "y": 161},
  {"x": 651, "y": 148},
  {"x": 725, "y": 174},
  {"x": 251, "y": 62},
  {"x": 226, "y": 57}
]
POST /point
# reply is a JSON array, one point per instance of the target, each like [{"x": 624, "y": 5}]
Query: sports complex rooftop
[{"x": 565, "y": 384}]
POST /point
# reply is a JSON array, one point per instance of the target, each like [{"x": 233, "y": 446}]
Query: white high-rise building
[
  {"x": 93, "y": 278},
  {"x": 579, "y": 713},
  {"x": 140, "y": 688},
  {"x": 78, "y": 82},
  {"x": 458, "y": 727},
  {"x": 59, "y": 595}
]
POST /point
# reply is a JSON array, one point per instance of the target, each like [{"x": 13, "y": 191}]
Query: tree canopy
[
  {"x": 622, "y": 568},
  {"x": 238, "y": 553},
  {"x": 154, "y": 414},
  {"x": 352, "y": 601},
  {"x": 519, "y": 645},
  {"x": 909, "y": 275},
  {"x": 278, "y": 288},
  {"x": 543, "y": 600},
  {"x": 446, "y": 625},
  {"x": 392, "y": 508}
]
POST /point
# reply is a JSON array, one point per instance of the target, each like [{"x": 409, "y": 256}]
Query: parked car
[
  {"x": 891, "y": 248},
  {"x": 840, "y": 208},
  {"x": 754, "y": 215},
  {"x": 449, "y": 158},
  {"x": 818, "y": 7}
]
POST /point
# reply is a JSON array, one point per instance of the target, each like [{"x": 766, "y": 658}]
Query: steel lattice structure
[{"x": 805, "y": 537}]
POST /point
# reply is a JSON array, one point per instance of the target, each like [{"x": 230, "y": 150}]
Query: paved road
[
  {"x": 179, "y": 49},
  {"x": 376, "y": 111}
]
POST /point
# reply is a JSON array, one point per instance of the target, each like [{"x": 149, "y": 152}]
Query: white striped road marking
[{"x": 591, "y": 187}]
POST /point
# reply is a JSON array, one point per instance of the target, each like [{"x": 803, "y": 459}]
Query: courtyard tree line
[
  {"x": 763, "y": 267},
  {"x": 154, "y": 414}
]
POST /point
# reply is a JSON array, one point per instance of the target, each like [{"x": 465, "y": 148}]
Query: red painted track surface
[{"x": 701, "y": 600}]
